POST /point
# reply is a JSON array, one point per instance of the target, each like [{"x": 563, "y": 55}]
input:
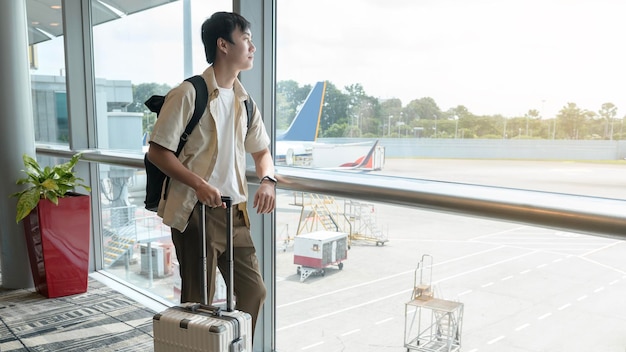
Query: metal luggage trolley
[{"x": 431, "y": 324}]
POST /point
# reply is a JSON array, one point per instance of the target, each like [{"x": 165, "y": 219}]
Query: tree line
[{"x": 352, "y": 113}]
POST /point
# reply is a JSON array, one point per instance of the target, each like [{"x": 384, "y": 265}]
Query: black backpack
[{"x": 154, "y": 176}]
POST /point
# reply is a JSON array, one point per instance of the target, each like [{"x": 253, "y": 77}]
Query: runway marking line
[
  {"x": 485, "y": 266},
  {"x": 528, "y": 243},
  {"x": 583, "y": 257},
  {"x": 313, "y": 345},
  {"x": 496, "y": 233},
  {"x": 544, "y": 316},
  {"x": 491, "y": 342},
  {"x": 350, "y": 332},
  {"x": 383, "y": 321},
  {"x": 522, "y": 327},
  {"x": 368, "y": 303},
  {"x": 506, "y": 278},
  {"x": 566, "y": 305},
  {"x": 602, "y": 248}
]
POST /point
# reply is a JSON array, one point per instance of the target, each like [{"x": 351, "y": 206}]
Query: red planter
[{"x": 57, "y": 238}]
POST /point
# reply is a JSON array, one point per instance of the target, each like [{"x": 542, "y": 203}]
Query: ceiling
[{"x": 45, "y": 17}]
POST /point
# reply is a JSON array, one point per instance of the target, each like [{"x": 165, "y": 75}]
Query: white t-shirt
[{"x": 224, "y": 176}]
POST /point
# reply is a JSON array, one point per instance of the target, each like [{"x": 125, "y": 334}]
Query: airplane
[
  {"x": 365, "y": 162},
  {"x": 296, "y": 142},
  {"x": 306, "y": 124},
  {"x": 298, "y": 146},
  {"x": 327, "y": 156}
]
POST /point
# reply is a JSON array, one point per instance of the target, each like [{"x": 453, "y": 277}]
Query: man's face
[{"x": 241, "y": 53}]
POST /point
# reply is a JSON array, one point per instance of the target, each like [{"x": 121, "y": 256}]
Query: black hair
[{"x": 220, "y": 25}]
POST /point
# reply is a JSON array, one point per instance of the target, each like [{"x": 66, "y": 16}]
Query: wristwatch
[{"x": 269, "y": 178}]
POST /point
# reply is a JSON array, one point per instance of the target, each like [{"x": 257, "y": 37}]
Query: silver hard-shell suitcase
[{"x": 200, "y": 327}]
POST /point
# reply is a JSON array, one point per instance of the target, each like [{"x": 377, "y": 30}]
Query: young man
[{"x": 212, "y": 164}]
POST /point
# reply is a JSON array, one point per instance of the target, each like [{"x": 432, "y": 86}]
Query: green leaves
[{"x": 49, "y": 183}]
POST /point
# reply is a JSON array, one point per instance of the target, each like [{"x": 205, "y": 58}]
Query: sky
[{"x": 491, "y": 56}]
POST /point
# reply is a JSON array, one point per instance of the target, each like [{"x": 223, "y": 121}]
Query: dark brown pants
[{"x": 249, "y": 287}]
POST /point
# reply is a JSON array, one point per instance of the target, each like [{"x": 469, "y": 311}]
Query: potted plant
[{"x": 57, "y": 226}]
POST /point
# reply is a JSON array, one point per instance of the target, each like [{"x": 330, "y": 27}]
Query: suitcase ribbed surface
[{"x": 178, "y": 329}]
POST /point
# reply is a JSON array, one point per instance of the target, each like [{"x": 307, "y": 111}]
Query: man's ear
[{"x": 222, "y": 45}]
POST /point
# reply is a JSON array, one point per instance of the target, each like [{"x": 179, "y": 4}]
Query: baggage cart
[{"x": 315, "y": 251}]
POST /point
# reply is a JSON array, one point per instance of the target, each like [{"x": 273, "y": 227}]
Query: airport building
[{"x": 489, "y": 244}]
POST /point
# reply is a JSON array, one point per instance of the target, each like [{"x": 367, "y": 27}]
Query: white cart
[
  {"x": 318, "y": 250},
  {"x": 431, "y": 324}
]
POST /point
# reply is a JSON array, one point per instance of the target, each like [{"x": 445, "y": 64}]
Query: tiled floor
[{"x": 101, "y": 319}]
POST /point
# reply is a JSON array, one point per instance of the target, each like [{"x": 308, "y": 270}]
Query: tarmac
[{"x": 521, "y": 288}]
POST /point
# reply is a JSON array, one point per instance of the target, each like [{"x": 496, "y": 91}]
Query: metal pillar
[{"x": 16, "y": 138}]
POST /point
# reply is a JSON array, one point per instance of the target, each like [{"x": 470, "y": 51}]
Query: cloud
[{"x": 493, "y": 56}]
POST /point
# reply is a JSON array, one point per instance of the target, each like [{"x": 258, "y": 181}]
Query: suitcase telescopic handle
[
  {"x": 229, "y": 247},
  {"x": 231, "y": 261},
  {"x": 228, "y": 200}
]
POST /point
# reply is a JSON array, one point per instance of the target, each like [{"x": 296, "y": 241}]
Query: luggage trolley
[
  {"x": 431, "y": 324},
  {"x": 315, "y": 251}
]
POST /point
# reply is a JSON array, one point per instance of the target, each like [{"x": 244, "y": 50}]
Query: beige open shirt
[{"x": 200, "y": 151}]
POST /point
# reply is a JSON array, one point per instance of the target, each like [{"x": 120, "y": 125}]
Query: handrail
[
  {"x": 597, "y": 216},
  {"x": 604, "y": 217},
  {"x": 132, "y": 159}
]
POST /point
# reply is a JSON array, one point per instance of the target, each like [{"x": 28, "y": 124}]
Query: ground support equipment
[
  {"x": 431, "y": 324},
  {"x": 318, "y": 250}
]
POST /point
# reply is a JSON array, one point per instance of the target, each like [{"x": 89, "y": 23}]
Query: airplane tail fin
[
  {"x": 366, "y": 162},
  {"x": 305, "y": 125}
]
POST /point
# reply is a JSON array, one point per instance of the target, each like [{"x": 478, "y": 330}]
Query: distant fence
[{"x": 495, "y": 148}]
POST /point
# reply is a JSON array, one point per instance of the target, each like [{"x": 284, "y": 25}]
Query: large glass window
[
  {"x": 141, "y": 54},
  {"x": 473, "y": 80},
  {"x": 47, "y": 69},
  {"x": 519, "y": 94},
  {"x": 137, "y": 55}
]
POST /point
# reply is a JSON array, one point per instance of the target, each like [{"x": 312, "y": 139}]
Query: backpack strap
[
  {"x": 249, "y": 103},
  {"x": 202, "y": 98}
]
